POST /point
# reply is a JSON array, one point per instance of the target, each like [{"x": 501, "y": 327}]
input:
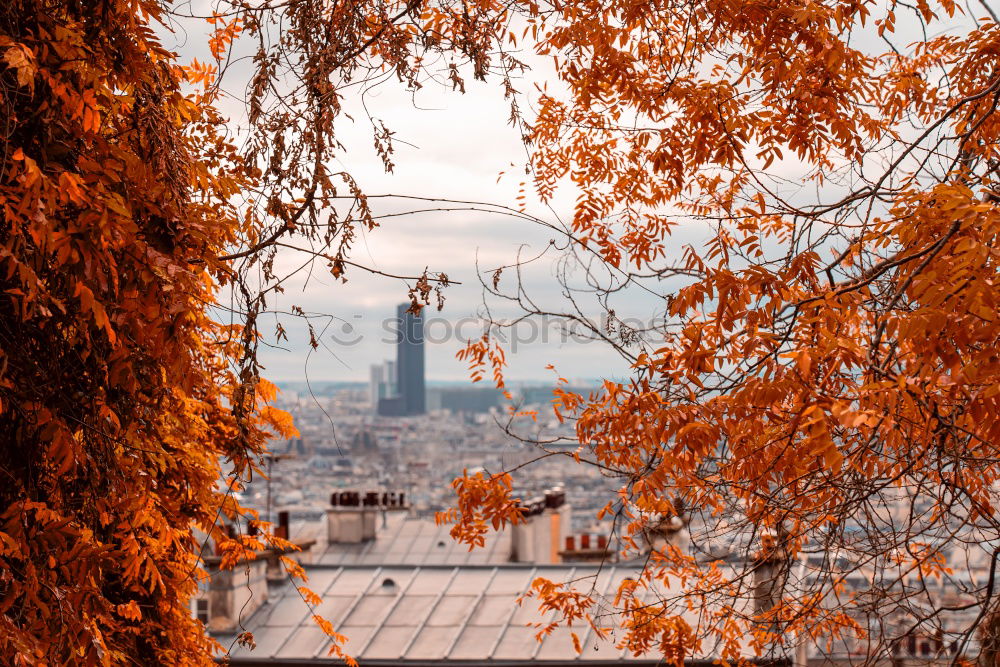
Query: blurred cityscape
[
  {"x": 357, "y": 489},
  {"x": 345, "y": 445},
  {"x": 400, "y": 433}
]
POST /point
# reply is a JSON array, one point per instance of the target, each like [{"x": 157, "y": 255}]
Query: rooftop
[
  {"x": 423, "y": 615},
  {"x": 411, "y": 541}
]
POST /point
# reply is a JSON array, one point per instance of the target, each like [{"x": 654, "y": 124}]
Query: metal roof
[
  {"x": 429, "y": 614},
  {"x": 409, "y": 541}
]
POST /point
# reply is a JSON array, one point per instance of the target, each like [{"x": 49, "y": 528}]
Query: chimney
[
  {"x": 667, "y": 529},
  {"x": 300, "y": 552},
  {"x": 590, "y": 550},
  {"x": 283, "y": 527},
  {"x": 352, "y": 516},
  {"x": 770, "y": 573},
  {"x": 522, "y": 535},
  {"x": 555, "y": 498},
  {"x": 233, "y": 594},
  {"x": 547, "y": 521}
]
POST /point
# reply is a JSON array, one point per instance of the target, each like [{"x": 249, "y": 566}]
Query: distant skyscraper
[
  {"x": 410, "y": 360},
  {"x": 408, "y": 397},
  {"x": 389, "y": 379},
  {"x": 375, "y": 383},
  {"x": 382, "y": 381}
]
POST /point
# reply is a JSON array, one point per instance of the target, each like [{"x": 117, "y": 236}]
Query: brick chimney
[
  {"x": 547, "y": 523},
  {"x": 352, "y": 517},
  {"x": 771, "y": 566},
  {"x": 669, "y": 529},
  {"x": 587, "y": 548},
  {"x": 232, "y": 595}
]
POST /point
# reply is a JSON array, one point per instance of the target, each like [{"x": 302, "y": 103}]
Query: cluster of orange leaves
[
  {"x": 792, "y": 368},
  {"x": 484, "y": 503},
  {"x": 123, "y": 402},
  {"x": 115, "y": 382}
]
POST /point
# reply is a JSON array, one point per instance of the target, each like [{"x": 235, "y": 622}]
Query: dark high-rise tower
[
  {"x": 410, "y": 392},
  {"x": 410, "y": 360}
]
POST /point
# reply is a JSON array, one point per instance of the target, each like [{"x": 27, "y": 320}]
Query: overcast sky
[
  {"x": 453, "y": 146},
  {"x": 448, "y": 145}
]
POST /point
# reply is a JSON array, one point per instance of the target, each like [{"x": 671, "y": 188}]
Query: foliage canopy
[
  {"x": 128, "y": 209},
  {"x": 818, "y": 399},
  {"x": 829, "y": 357}
]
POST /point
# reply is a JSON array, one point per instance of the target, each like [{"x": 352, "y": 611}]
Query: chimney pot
[
  {"x": 554, "y": 498},
  {"x": 283, "y": 523}
]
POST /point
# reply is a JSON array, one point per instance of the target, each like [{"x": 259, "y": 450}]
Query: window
[{"x": 201, "y": 610}]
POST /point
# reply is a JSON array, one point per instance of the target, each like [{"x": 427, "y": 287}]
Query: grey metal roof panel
[
  {"x": 470, "y": 644},
  {"x": 471, "y": 581},
  {"x": 493, "y": 610},
  {"x": 431, "y": 581},
  {"x": 321, "y": 579},
  {"x": 303, "y": 643},
  {"x": 432, "y": 642},
  {"x": 357, "y": 636},
  {"x": 599, "y": 650},
  {"x": 411, "y": 541},
  {"x": 369, "y": 609},
  {"x": 288, "y": 611},
  {"x": 410, "y": 610},
  {"x": 452, "y": 610},
  {"x": 414, "y": 614},
  {"x": 388, "y": 581},
  {"x": 268, "y": 640},
  {"x": 518, "y": 643},
  {"x": 390, "y": 642},
  {"x": 351, "y": 581},
  {"x": 335, "y": 607},
  {"x": 559, "y": 644},
  {"x": 511, "y": 581}
]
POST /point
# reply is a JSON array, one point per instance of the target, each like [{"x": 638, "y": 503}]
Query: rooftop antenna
[{"x": 271, "y": 458}]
